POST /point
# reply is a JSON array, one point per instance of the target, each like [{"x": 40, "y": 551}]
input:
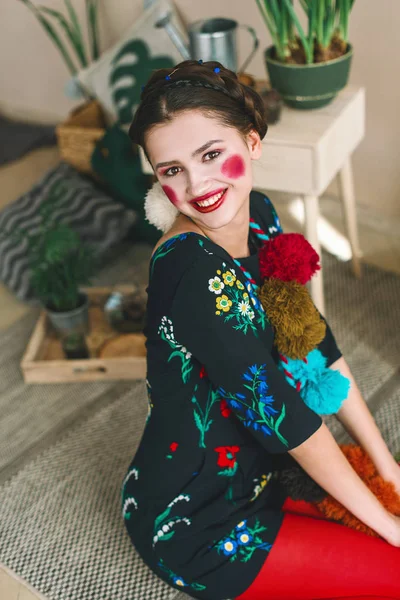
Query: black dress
[{"x": 201, "y": 501}]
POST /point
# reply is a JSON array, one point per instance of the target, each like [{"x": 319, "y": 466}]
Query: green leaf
[
  {"x": 161, "y": 517},
  {"x": 91, "y": 11},
  {"x": 77, "y": 28},
  {"x": 69, "y": 32},
  {"x": 47, "y": 26},
  {"x": 198, "y": 421}
]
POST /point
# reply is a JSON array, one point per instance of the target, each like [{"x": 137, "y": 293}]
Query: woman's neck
[{"x": 234, "y": 237}]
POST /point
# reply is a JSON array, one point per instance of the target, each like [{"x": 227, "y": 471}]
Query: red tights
[{"x": 316, "y": 559}]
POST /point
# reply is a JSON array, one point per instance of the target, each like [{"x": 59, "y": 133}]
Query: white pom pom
[{"x": 160, "y": 212}]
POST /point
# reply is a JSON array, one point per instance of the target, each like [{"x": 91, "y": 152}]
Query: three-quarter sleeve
[
  {"x": 216, "y": 320},
  {"x": 328, "y": 347}
]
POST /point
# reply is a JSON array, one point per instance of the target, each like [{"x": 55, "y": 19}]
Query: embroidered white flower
[
  {"x": 244, "y": 308},
  {"x": 216, "y": 285}
]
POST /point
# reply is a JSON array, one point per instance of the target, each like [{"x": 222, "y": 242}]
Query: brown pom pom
[
  {"x": 383, "y": 490},
  {"x": 299, "y": 347},
  {"x": 296, "y": 322}
]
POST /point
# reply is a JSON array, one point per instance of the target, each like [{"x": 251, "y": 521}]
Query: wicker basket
[{"x": 78, "y": 135}]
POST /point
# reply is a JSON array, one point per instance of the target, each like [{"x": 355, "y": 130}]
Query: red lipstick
[{"x": 212, "y": 207}]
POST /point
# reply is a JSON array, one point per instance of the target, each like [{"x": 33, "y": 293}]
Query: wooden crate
[{"x": 44, "y": 360}]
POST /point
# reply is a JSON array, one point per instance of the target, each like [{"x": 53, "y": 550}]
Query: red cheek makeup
[
  {"x": 169, "y": 192},
  {"x": 234, "y": 167}
]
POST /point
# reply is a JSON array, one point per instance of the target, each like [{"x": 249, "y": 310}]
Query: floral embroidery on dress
[
  {"x": 227, "y": 459},
  {"x": 167, "y": 247},
  {"x": 232, "y": 302},
  {"x": 179, "y": 581},
  {"x": 164, "y": 524},
  {"x": 166, "y": 330},
  {"x": 261, "y": 484},
  {"x": 242, "y": 542},
  {"x": 256, "y": 412},
  {"x": 172, "y": 448},
  {"x": 277, "y": 228},
  {"x": 129, "y": 501},
  {"x": 202, "y": 415}
]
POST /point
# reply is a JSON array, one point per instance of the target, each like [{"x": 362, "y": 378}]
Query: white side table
[{"x": 304, "y": 152}]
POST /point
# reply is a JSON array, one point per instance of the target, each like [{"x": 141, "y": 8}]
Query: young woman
[{"x": 201, "y": 500}]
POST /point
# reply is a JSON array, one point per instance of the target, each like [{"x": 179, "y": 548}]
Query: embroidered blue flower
[
  {"x": 242, "y": 542},
  {"x": 255, "y": 409},
  {"x": 229, "y": 547},
  {"x": 244, "y": 538}
]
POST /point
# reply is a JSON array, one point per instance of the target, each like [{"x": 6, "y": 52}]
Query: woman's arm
[
  {"x": 322, "y": 459},
  {"x": 360, "y": 424}
]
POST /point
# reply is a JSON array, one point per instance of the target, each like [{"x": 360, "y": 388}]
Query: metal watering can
[{"x": 210, "y": 39}]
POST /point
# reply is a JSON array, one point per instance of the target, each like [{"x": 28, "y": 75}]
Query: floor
[{"x": 379, "y": 241}]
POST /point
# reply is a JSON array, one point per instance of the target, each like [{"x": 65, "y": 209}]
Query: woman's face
[{"x": 203, "y": 166}]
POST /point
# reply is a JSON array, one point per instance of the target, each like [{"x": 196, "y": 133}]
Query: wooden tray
[{"x": 44, "y": 360}]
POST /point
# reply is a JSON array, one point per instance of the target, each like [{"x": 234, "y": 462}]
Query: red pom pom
[{"x": 288, "y": 257}]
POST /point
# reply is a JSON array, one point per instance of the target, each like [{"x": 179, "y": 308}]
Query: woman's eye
[
  {"x": 171, "y": 171},
  {"x": 213, "y": 154}
]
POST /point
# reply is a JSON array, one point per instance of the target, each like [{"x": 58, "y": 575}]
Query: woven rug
[{"x": 64, "y": 448}]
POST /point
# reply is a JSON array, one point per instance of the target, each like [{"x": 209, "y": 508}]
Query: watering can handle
[{"x": 256, "y": 43}]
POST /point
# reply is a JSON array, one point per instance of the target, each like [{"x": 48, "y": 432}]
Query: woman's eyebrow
[{"x": 195, "y": 153}]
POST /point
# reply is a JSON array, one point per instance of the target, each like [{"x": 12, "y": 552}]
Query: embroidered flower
[
  {"x": 229, "y": 278},
  {"x": 179, "y": 581},
  {"x": 226, "y": 456},
  {"x": 166, "y": 331},
  {"x": 203, "y": 372},
  {"x": 223, "y": 303},
  {"x": 173, "y": 446},
  {"x": 244, "y": 538},
  {"x": 244, "y": 308},
  {"x": 229, "y": 547},
  {"x": 239, "y": 285},
  {"x": 225, "y": 410},
  {"x": 215, "y": 285}
]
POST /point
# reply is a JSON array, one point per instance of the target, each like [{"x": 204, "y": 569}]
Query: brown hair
[{"x": 191, "y": 85}]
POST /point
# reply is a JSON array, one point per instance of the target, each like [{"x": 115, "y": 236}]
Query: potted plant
[
  {"x": 59, "y": 264},
  {"x": 308, "y": 67},
  {"x": 66, "y": 32}
]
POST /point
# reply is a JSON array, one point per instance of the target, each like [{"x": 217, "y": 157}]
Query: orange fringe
[{"x": 383, "y": 490}]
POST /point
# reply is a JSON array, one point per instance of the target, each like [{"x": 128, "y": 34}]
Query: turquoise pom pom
[{"x": 322, "y": 389}]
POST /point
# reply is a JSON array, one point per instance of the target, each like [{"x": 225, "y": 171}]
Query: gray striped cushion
[{"x": 99, "y": 219}]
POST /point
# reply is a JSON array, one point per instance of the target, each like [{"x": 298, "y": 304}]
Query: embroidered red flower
[
  {"x": 173, "y": 446},
  {"x": 226, "y": 456},
  {"x": 224, "y": 408},
  {"x": 203, "y": 372}
]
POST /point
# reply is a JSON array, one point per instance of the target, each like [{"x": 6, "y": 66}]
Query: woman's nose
[{"x": 196, "y": 184}]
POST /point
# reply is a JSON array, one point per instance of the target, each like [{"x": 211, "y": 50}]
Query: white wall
[{"x": 32, "y": 75}]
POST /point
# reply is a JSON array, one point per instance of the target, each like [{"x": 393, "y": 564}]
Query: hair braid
[{"x": 194, "y": 85}]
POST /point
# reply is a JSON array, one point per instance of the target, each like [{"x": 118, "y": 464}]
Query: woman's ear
[{"x": 254, "y": 144}]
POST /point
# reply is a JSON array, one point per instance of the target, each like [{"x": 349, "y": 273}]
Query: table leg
[
  {"x": 311, "y": 213},
  {"x": 349, "y": 208}
]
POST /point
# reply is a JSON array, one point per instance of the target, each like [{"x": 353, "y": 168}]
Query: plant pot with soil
[
  {"x": 59, "y": 265},
  {"x": 308, "y": 66}
]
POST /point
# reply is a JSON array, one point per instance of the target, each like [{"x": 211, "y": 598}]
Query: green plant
[
  {"x": 325, "y": 38},
  {"x": 55, "y": 23},
  {"x": 59, "y": 262}
]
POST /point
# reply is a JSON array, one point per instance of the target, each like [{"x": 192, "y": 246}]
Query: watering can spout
[
  {"x": 174, "y": 34},
  {"x": 209, "y": 40}
]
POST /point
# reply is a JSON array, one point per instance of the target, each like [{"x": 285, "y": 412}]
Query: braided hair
[{"x": 193, "y": 85}]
